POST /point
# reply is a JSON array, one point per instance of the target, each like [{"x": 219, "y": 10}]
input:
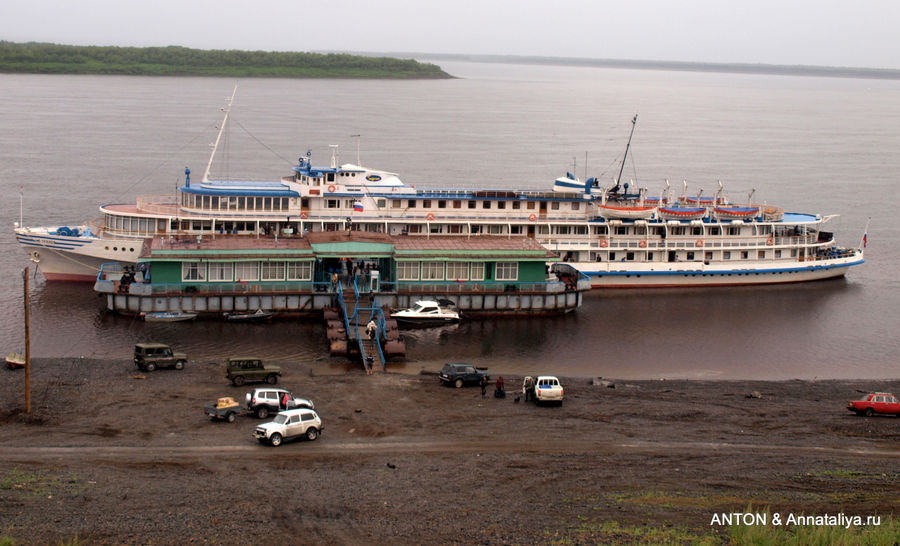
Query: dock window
[
  {"x": 273, "y": 271},
  {"x": 407, "y": 271},
  {"x": 458, "y": 271},
  {"x": 221, "y": 271},
  {"x": 246, "y": 271},
  {"x": 507, "y": 271},
  {"x": 477, "y": 271},
  {"x": 193, "y": 271},
  {"x": 299, "y": 271},
  {"x": 432, "y": 271}
]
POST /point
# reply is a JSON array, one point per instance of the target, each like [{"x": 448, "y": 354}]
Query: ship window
[
  {"x": 621, "y": 230},
  {"x": 426, "y": 203},
  {"x": 515, "y": 230},
  {"x": 330, "y": 177},
  {"x": 761, "y": 254},
  {"x": 407, "y": 271},
  {"x": 793, "y": 253},
  {"x": 299, "y": 271},
  {"x": 494, "y": 229},
  {"x": 516, "y": 205},
  {"x": 529, "y": 205},
  {"x": 778, "y": 254},
  {"x": 707, "y": 256},
  {"x": 734, "y": 231},
  {"x": 471, "y": 204},
  {"x": 507, "y": 271},
  {"x": 629, "y": 256},
  {"x": 442, "y": 204},
  {"x": 714, "y": 231},
  {"x": 554, "y": 205},
  {"x": 562, "y": 230},
  {"x": 744, "y": 254},
  {"x": 193, "y": 271},
  {"x": 580, "y": 230},
  {"x": 457, "y": 204},
  {"x": 412, "y": 204},
  {"x": 396, "y": 204},
  {"x": 501, "y": 204},
  {"x": 726, "y": 255},
  {"x": 458, "y": 271},
  {"x": 485, "y": 204},
  {"x": 332, "y": 204},
  {"x": 576, "y": 206},
  {"x": 214, "y": 202},
  {"x": 455, "y": 228},
  {"x": 415, "y": 228},
  {"x": 477, "y": 273},
  {"x": 221, "y": 271},
  {"x": 690, "y": 256},
  {"x": 650, "y": 256}
]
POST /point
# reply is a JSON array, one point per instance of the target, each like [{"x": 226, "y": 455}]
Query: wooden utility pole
[{"x": 27, "y": 348}]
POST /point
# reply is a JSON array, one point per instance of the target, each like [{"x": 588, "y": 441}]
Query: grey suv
[
  {"x": 149, "y": 356},
  {"x": 265, "y": 400}
]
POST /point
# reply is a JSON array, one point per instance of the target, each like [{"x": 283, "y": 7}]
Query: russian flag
[{"x": 357, "y": 206}]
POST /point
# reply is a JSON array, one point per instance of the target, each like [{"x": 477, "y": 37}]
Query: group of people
[{"x": 499, "y": 390}]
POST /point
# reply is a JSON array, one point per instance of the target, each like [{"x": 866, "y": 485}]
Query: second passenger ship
[{"x": 620, "y": 237}]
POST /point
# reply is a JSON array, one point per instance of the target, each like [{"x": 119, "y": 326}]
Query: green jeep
[
  {"x": 149, "y": 356},
  {"x": 242, "y": 369}
]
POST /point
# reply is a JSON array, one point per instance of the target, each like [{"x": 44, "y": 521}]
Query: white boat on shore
[{"x": 613, "y": 234}]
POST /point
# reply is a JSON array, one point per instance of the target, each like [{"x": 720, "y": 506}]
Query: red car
[{"x": 878, "y": 402}]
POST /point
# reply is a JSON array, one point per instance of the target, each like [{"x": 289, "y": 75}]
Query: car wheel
[
  {"x": 312, "y": 433},
  {"x": 458, "y": 384},
  {"x": 262, "y": 412},
  {"x": 179, "y": 365},
  {"x": 271, "y": 379},
  {"x": 150, "y": 367},
  {"x": 230, "y": 418},
  {"x": 869, "y": 412},
  {"x": 275, "y": 439},
  {"x": 238, "y": 380}
]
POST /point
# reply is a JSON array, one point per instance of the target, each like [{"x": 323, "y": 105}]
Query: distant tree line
[{"x": 46, "y": 58}]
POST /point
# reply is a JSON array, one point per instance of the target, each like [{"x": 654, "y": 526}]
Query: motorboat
[
  {"x": 258, "y": 316},
  {"x": 168, "y": 316},
  {"x": 427, "y": 313}
]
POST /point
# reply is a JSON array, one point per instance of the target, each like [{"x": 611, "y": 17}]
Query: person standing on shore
[{"x": 483, "y": 385}]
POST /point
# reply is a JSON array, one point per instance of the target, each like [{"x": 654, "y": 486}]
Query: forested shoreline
[{"x": 44, "y": 58}]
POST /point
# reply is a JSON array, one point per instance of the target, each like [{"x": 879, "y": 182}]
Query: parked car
[
  {"x": 296, "y": 423},
  {"x": 460, "y": 373},
  {"x": 543, "y": 388},
  {"x": 877, "y": 402},
  {"x": 239, "y": 370},
  {"x": 265, "y": 400},
  {"x": 149, "y": 356}
]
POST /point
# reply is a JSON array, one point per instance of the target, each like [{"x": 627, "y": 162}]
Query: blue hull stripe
[{"x": 718, "y": 273}]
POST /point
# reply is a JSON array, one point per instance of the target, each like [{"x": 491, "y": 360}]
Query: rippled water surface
[{"x": 71, "y": 143}]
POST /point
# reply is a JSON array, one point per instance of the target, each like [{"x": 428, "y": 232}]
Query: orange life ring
[
  {"x": 429, "y": 216},
  {"x": 304, "y": 215},
  {"x": 643, "y": 244},
  {"x": 331, "y": 188},
  {"x": 770, "y": 241},
  {"x": 699, "y": 242},
  {"x": 532, "y": 217},
  {"x": 603, "y": 243}
]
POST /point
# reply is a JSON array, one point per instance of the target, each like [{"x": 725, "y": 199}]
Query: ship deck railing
[{"x": 108, "y": 281}]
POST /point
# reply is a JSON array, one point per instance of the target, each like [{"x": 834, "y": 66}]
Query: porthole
[{"x": 115, "y": 248}]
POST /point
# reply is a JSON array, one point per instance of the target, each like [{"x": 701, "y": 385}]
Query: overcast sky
[{"x": 862, "y": 33}]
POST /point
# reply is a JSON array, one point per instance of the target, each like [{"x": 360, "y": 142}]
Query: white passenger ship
[{"x": 620, "y": 237}]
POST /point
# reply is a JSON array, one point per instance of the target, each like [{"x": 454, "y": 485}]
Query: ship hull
[
  {"x": 75, "y": 259},
  {"x": 660, "y": 276}
]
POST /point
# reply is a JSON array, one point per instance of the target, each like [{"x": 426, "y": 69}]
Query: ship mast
[
  {"x": 219, "y": 136},
  {"x": 627, "y": 146}
]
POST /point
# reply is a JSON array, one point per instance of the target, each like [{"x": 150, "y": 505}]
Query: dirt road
[{"x": 113, "y": 456}]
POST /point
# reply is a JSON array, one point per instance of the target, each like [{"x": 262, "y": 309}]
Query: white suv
[
  {"x": 290, "y": 424},
  {"x": 265, "y": 400}
]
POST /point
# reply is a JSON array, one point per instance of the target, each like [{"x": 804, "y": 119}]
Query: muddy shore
[{"x": 114, "y": 456}]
